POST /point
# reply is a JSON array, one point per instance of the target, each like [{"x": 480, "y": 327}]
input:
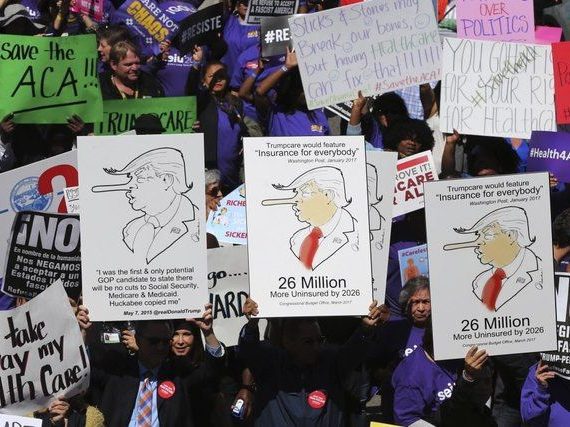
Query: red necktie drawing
[
  {"x": 309, "y": 247},
  {"x": 492, "y": 288}
]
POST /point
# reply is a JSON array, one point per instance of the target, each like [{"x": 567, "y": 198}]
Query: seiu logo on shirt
[
  {"x": 253, "y": 34},
  {"x": 32, "y": 13},
  {"x": 446, "y": 392},
  {"x": 317, "y": 128},
  {"x": 179, "y": 8},
  {"x": 409, "y": 350},
  {"x": 178, "y": 60}
]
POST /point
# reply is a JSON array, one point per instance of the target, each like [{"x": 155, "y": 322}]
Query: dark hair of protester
[
  {"x": 148, "y": 124},
  {"x": 196, "y": 353},
  {"x": 488, "y": 155},
  {"x": 120, "y": 49},
  {"x": 412, "y": 130},
  {"x": 141, "y": 326},
  {"x": 113, "y": 34},
  {"x": 410, "y": 288},
  {"x": 391, "y": 105},
  {"x": 290, "y": 95},
  {"x": 561, "y": 229}
]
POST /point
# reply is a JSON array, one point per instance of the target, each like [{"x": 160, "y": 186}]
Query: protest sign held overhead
[
  {"x": 44, "y": 248},
  {"x": 307, "y": 219},
  {"x": 148, "y": 259},
  {"x": 43, "y": 355},
  {"x": 496, "y": 88},
  {"x": 550, "y": 152},
  {"x": 547, "y": 35},
  {"x": 200, "y": 28},
  {"x": 176, "y": 114},
  {"x": 511, "y": 20},
  {"x": 275, "y": 36},
  {"x": 35, "y": 187},
  {"x": 412, "y": 172},
  {"x": 91, "y": 8},
  {"x": 560, "y": 52},
  {"x": 228, "y": 281},
  {"x": 380, "y": 167},
  {"x": 490, "y": 252},
  {"x": 227, "y": 222},
  {"x": 413, "y": 263},
  {"x": 258, "y": 10},
  {"x": 559, "y": 360},
  {"x": 49, "y": 79},
  {"x": 376, "y": 46}
]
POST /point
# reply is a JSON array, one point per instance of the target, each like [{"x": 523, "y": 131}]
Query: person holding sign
[{"x": 408, "y": 137}]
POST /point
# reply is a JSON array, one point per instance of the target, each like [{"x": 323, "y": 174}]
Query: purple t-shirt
[
  {"x": 420, "y": 386},
  {"x": 298, "y": 123},
  {"x": 228, "y": 150},
  {"x": 32, "y": 8},
  {"x": 238, "y": 37},
  {"x": 414, "y": 340},
  {"x": 173, "y": 73}
]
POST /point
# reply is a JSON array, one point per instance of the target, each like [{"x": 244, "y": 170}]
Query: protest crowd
[{"x": 302, "y": 370}]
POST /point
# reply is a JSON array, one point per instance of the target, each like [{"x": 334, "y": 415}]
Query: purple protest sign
[
  {"x": 511, "y": 20},
  {"x": 550, "y": 151}
]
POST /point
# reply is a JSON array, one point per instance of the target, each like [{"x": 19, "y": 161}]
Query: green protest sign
[
  {"x": 48, "y": 79},
  {"x": 177, "y": 114}
]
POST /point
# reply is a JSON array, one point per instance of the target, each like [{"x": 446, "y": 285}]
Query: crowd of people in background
[{"x": 306, "y": 371}]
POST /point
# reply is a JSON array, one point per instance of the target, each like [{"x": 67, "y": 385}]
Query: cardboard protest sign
[
  {"x": 35, "y": 187},
  {"x": 147, "y": 260},
  {"x": 496, "y": 88},
  {"x": 560, "y": 52},
  {"x": 413, "y": 263},
  {"x": 307, "y": 219},
  {"x": 374, "y": 46},
  {"x": 227, "y": 223},
  {"x": 176, "y": 114},
  {"x": 258, "y": 10},
  {"x": 44, "y": 247},
  {"x": 490, "y": 253},
  {"x": 43, "y": 353},
  {"x": 16, "y": 421},
  {"x": 71, "y": 197},
  {"x": 229, "y": 288},
  {"x": 412, "y": 172},
  {"x": 511, "y": 20},
  {"x": 91, "y": 8},
  {"x": 380, "y": 167},
  {"x": 200, "y": 28},
  {"x": 547, "y": 35},
  {"x": 48, "y": 79},
  {"x": 559, "y": 360},
  {"x": 550, "y": 152},
  {"x": 275, "y": 36}
]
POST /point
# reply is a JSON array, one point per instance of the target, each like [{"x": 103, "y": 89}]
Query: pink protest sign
[
  {"x": 508, "y": 20},
  {"x": 547, "y": 35},
  {"x": 92, "y": 8}
]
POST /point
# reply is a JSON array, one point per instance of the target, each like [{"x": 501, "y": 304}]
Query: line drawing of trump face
[
  {"x": 502, "y": 241},
  {"x": 319, "y": 201},
  {"x": 156, "y": 187}
]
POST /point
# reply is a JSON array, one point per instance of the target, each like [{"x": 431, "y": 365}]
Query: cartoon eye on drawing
[
  {"x": 375, "y": 217},
  {"x": 502, "y": 242},
  {"x": 319, "y": 201},
  {"x": 157, "y": 187}
]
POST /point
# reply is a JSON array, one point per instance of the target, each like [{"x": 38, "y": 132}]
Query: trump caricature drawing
[
  {"x": 502, "y": 242},
  {"x": 319, "y": 202},
  {"x": 157, "y": 189}
]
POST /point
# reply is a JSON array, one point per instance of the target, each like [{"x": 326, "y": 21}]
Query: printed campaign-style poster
[
  {"x": 228, "y": 281},
  {"x": 380, "y": 168},
  {"x": 35, "y": 187},
  {"x": 413, "y": 263},
  {"x": 490, "y": 253},
  {"x": 43, "y": 355},
  {"x": 411, "y": 174},
  {"x": 559, "y": 360},
  {"x": 260, "y": 9},
  {"x": 550, "y": 152},
  {"x": 307, "y": 222},
  {"x": 143, "y": 226},
  {"x": 227, "y": 222}
]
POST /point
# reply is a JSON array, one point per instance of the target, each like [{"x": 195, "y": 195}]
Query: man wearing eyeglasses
[{"x": 502, "y": 242}]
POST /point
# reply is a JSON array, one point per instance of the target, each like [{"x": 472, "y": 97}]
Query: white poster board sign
[
  {"x": 490, "y": 253},
  {"x": 380, "y": 167},
  {"x": 35, "y": 187},
  {"x": 307, "y": 224},
  {"x": 227, "y": 222},
  {"x": 15, "y": 421},
  {"x": 43, "y": 355},
  {"x": 228, "y": 281},
  {"x": 375, "y": 46},
  {"x": 496, "y": 88},
  {"x": 71, "y": 197},
  {"x": 412, "y": 172},
  {"x": 143, "y": 245}
]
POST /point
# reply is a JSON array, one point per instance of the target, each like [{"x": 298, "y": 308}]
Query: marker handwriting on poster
[
  {"x": 320, "y": 151},
  {"x": 231, "y": 302}
]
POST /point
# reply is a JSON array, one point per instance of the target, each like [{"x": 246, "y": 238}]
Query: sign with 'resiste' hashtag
[
  {"x": 200, "y": 28},
  {"x": 275, "y": 36}
]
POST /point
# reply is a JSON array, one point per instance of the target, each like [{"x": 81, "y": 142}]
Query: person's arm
[
  {"x": 193, "y": 81},
  {"x": 270, "y": 81},
  {"x": 206, "y": 325},
  {"x": 535, "y": 396},
  {"x": 246, "y": 88},
  {"x": 448, "y": 157}
]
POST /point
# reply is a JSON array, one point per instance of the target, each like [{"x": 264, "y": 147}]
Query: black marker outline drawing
[
  {"x": 376, "y": 219},
  {"x": 503, "y": 241},
  {"x": 324, "y": 188},
  {"x": 167, "y": 208}
]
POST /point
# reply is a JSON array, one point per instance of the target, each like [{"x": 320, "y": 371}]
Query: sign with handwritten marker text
[
  {"x": 496, "y": 88},
  {"x": 507, "y": 20},
  {"x": 376, "y": 46},
  {"x": 48, "y": 79}
]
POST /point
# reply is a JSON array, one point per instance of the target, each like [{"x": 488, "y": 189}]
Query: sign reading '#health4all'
[
  {"x": 307, "y": 220},
  {"x": 48, "y": 79}
]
